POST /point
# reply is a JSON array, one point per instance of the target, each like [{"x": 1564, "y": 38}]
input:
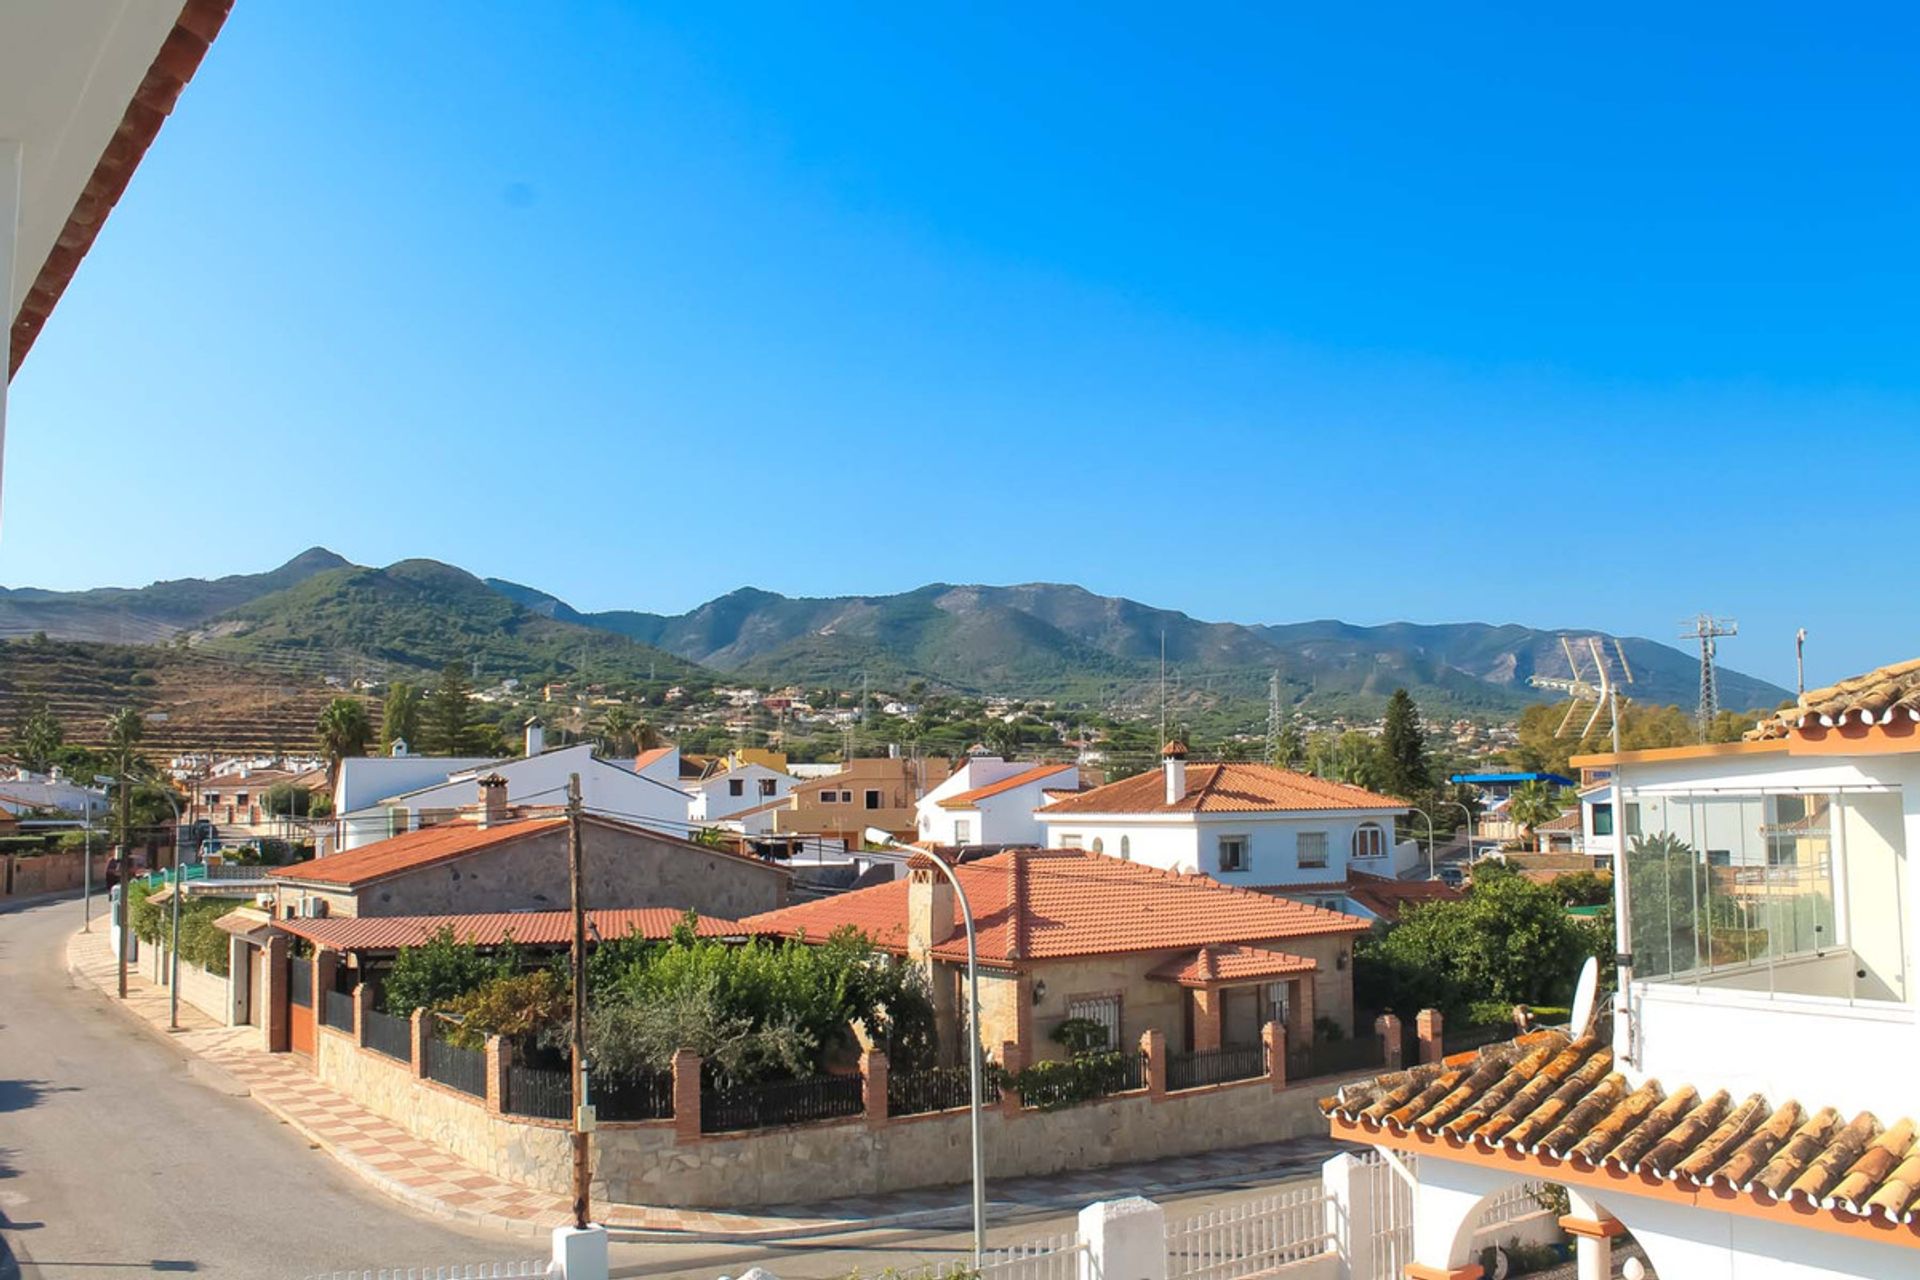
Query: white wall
[
  {"x": 366, "y": 780},
  {"x": 713, "y": 798},
  {"x": 1005, "y": 818},
  {"x": 1189, "y": 843}
]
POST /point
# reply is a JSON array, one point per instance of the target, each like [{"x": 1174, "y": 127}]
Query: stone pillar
[
  {"x": 1153, "y": 1044},
  {"x": 1013, "y": 1059},
  {"x": 1206, "y": 1020},
  {"x": 325, "y": 962},
  {"x": 1124, "y": 1239},
  {"x": 1387, "y": 1027},
  {"x": 873, "y": 1085},
  {"x": 273, "y": 990},
  {"x": 362, "y": 1006},
  {"x": 498, "y": 1056},
  {"x": 1431, "y": 1027},
  {"x": 686, "y": 1095},
  {"x": 1274, "y": 1037},
  {"x": 1300, "y": 1011},
  {"x": 418, "y": 1023}
]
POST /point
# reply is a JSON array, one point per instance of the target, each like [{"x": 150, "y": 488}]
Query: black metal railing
[
  {"x": 1468, "y": 1038},
  {"x": 300, "y": 983},
  {"x": 389, "y": 1035},
  {"x": 648, "y": 1096},
  {"x": 1195, "y": 1070},
  {"x": 539, "y": 1092},
  {"x": 762, "y": 1106},
  {"x": 337, "y": 1011},
  {"x": 1085, "y": 1080},
  {"x": 457, "y": 1068},
  {"x": 1335, "y": 1057},
  {"x": 912, "y": 1093}
]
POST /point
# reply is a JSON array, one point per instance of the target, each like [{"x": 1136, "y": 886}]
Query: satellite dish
[{"x": 1584, "y": 991}]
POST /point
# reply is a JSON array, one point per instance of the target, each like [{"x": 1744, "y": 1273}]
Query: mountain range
[{"x": 320, "y": 613}]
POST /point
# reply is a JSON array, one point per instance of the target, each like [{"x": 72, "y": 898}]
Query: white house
[
  {"x": 1750, "y": 1113},
  {"x": 1597, "y": 824},
  {"x": 988, "y": 800},
  {"x": 1245, "y": 824},
  {"x": 22, "y": 792},
  {"x": 740, "y": 786}
]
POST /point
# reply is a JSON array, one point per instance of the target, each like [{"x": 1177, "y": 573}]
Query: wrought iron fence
[
  {"x": 647, "y": 1096},
  {"x": 911, "y": 1093},
  {"x": 457, "y": 1068},
  {"x": 337, "y": 1011},
  {"x": 539, "y": 1092},
  {"x": 1251, "y": 1237},
  {"x": 1335, "y": 1057},
  {"x": 389, "y": 1035},
  {"x": 1085, "y": 1080},
  {"x": 1194, "y": 1070},
  {"x": 761, "y": 1106},
  {"x": 1467, "y": 1038},
  {"x": 300, "y": 983}
]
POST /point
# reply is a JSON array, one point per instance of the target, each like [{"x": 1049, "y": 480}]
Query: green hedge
[{"x": 201, "y": 943}]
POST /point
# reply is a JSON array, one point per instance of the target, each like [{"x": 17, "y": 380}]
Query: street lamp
[
  {"x": 886, "y": 841},
  {"x": 1467, "y": 833},
  {"x": 1429, "y": 817}
]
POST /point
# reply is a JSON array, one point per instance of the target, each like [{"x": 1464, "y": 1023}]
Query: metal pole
[
  {"x": 86, "y": 871},
  {"x": 126, "y": 877},
  {"x": 1429, "y": 817},
  {"x": 1468, "y": 833},
  {"x": 179, "y": 892},
  {"x": 577, "y": 879}
]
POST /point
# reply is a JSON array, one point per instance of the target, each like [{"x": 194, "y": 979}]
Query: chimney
[
  {"x": 929, "y": 911},
  {"x": 1173, "y": 762},
  {"x": 493, "y": 800},
  {"x": 536, "y": 738}
]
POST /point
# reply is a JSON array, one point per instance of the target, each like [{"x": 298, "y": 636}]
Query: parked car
[{"x": 1453, "y": 874}]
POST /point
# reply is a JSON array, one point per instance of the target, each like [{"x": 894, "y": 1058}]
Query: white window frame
[
  {"x": 1300, "y": 841},
  {"x": 1242, "y": 844},
  {"x": 1376, "y": 836},
  {"x": 1072, "y": 840},
  {"x": 962, "y": 831}
]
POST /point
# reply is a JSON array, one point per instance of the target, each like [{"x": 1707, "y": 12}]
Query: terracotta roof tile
[
  {"x": 1231, "y": 963},
  {"x": 1545, "y": 1094},
  {"x": 410, "y": 852},
  {"x": 1874, "y": 697},
  {"x": 968, "y": 799},
  {"x": 1077, "y": 904},
  {"x": 1229, "y": 787},
  {"x": 490, "y": 929},
  {"x": 1387, "y": 897}
]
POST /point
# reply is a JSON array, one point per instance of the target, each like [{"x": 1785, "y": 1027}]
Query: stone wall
[
  {"x": 26, "y": 877},
  {"x": 208, "y": 992}
]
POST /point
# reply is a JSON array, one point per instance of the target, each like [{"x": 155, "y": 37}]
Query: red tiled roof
[
  {"x": 968, "y": 799},
  {"x": 1230, "y": 787},
  {"x": 654, "y": 756},
  {"x": 1074, "y": 904},
  {"x": 533, "y": 928},
  {"x": 1231, "y": 963},
  {"x": 1568, "y": 821},
  {"x": 410, "y": 851},
  {"x": 1387, "y": 897}
]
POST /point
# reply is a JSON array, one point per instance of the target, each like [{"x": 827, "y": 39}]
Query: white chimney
[
  {"x": 1173, "y": 762},
  {"x": 536, "y": 738}
]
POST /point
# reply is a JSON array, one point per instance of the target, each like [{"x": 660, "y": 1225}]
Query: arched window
[
  {"x": 1369, "y": 841},
  {"x": 1099, "y": 845},
  {"x": 1126, "y": 848}
]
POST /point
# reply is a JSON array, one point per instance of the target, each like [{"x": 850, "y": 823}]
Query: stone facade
[{"x": 626, "y": 867}]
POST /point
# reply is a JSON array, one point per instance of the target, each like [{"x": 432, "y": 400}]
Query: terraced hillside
[{"x": 193, "y": 701}]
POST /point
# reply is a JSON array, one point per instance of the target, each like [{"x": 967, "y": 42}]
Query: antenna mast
[{"x": 1706, "y": 629}]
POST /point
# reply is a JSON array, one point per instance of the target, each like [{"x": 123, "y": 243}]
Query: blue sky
[{"x": 1589, "y": 319}]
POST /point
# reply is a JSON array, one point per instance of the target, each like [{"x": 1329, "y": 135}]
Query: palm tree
[
  {"x": 619, "y": 732},
  {"x": 125, "y": 728},
  {"x": 1532, "y": 804},
  {"x": 345, "y": 731}
]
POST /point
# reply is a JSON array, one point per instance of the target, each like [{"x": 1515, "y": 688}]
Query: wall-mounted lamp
[
  {"x": 1039, "y": 990},
  {"x": 1340, "y": 961}
]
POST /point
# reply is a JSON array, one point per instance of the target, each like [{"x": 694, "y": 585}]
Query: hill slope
[{"x": 143, "y": 615}]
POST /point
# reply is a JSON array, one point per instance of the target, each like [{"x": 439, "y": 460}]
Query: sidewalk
[{"x": 429, "y": 1179}]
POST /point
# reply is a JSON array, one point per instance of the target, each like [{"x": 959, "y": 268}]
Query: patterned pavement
[{"x": 431, "y": 1180}]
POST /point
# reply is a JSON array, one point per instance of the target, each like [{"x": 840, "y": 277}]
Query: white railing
[
  {"x": 1515, "y": 1202},
  {"x": 1046, "y": 1258},
  {"x": 468, "y": 1271},
  {"x": 1245, "y": 1239}
]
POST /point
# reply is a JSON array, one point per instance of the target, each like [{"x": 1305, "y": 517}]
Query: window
[
  {"x": 736, "y": 786},
  {"x": 829, "y": 797},
  {"x": 962, "y": 831},
  {"x": 1126, "y": 849},
  {"x": 1633, "y": 819},
  {"x": 1104, "y": 1010},
  {"x": 213, "y": 797},
  {"x": 1369, "y": 841},
  {"x": 1603, "y": 819},
  {"x": 239, "y": 797},
  {"x": 1233, "y": 853},
  {"x": 769, "y": 787},
  {"x": 1310, "y": 849},
  {"x": 873, "y": 798},
  {"x": 1069, "y": 842},
  {"x": 1099, "y": 845}
]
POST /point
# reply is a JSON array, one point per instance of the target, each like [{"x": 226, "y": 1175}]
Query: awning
[{"x": 1226, "y": 965}]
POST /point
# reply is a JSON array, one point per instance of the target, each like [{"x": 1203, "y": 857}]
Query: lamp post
[
  {"x": 1429, "y": 817},
  {"x": 885, "y": 840},
  {"x": 1467, "y": 834}
]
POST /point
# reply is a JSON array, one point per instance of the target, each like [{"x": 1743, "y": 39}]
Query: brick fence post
[
  {"x": 686, "y": 1095},
  {"x": 325, "y": 963},
  {"x": 1387, "y": 1027},
  {"x": 418, "y": 1040},
  {"x": 1431, "y": 1027},
  {"x": 497, "y": 1058},
  {"x": 362, "y": 1006},
  {"x": 873, "y": 1084},
  {"x": 273, "y": 990},
  {"x": 1153, "y": 1045},
  {"x": 1014, "y": 1060},
  {"x": 1274, "y": 1037}
]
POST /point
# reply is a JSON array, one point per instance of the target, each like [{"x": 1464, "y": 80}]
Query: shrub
[
  {"x": 439, "y": 971},
  {"x": 523, "y": 1007},
  {"x": 1081, "y": 1036}
]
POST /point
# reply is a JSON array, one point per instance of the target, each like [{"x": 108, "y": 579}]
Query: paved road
[
  {"x": 118, "y": 1158},
  {"x": 114, "y": 1160}
]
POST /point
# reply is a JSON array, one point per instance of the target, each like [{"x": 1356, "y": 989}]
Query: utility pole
[
  {"x": 1800, "y": 665},
  {"x": 582, "y": 1114},
  {"x": 126, "y": 879}
]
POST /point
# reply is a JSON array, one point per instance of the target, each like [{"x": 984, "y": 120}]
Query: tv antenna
[
  {"x": 1706, "y": 629},
  {"x": 1589, "y": 680}
]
